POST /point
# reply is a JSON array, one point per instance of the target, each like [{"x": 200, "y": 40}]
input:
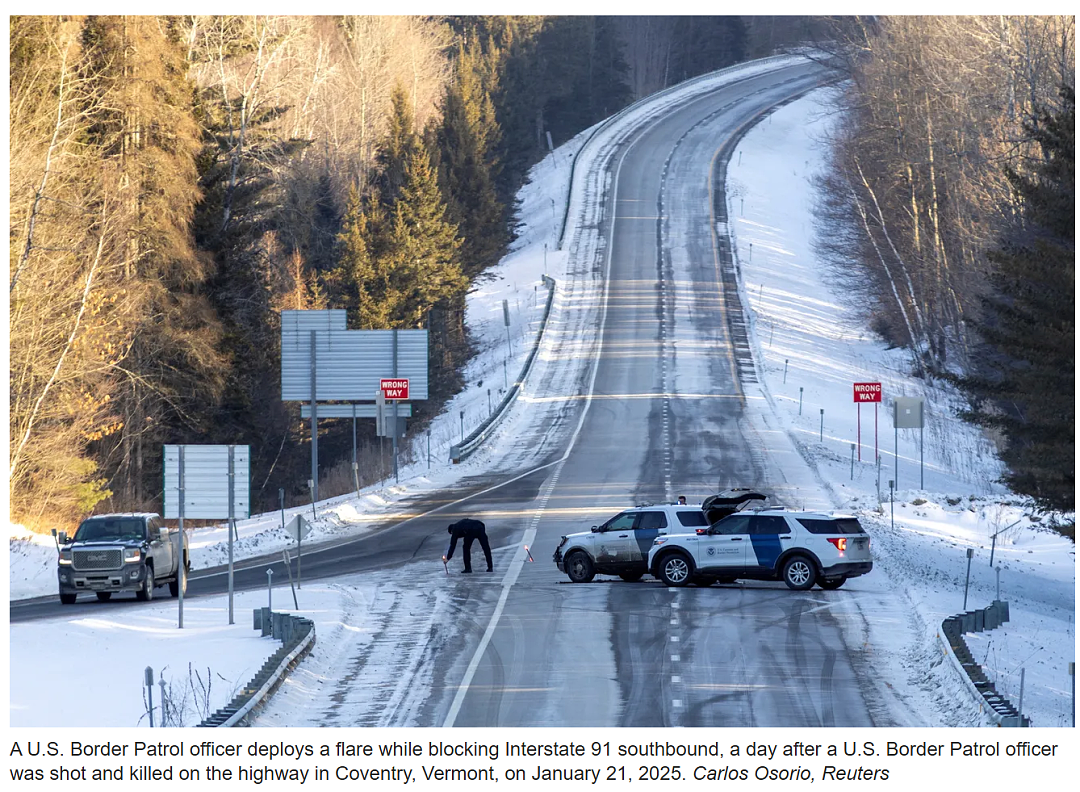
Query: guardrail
[
  {"x": 474, "y": 440},
  {"x": 297, "y": 635},
  {"x": 999, "y": 708}
]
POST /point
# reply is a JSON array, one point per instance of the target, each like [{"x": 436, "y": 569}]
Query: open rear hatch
[{"x": 720, "y": 505}]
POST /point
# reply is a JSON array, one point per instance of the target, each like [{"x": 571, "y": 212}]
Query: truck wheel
[
  {"x": 67, "y": 599},
  {"x": 174, "y": 585},
  {"x": 104, "y": 596},
  {"x": 145, "y": 592},
  {"x": 579, "y": 567}
]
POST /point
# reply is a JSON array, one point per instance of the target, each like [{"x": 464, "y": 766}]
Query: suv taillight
[{"x": 840, "y": 543}]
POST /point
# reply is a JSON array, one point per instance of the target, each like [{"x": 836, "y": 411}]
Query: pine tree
[
  {"x": 399, "y": 145},
  {"x": 1027, "y": 387},
  {"x": 464, "y": 144},
  {"x": 422, "y": 256},
  {"x": 365, "y": 287}
]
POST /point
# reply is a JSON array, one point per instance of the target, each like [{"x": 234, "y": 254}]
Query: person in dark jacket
[{"x": 469, "y": 529}]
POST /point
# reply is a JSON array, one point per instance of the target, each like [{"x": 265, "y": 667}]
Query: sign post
[
  {"x": 866, "y": 392},
  {"x": 907, "y": 414},
  {"x": 394, "y": 390}
]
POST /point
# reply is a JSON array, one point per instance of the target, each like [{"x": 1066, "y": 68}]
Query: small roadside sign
[
  {"x": 394, "y": 389},
  {"x": 867, "y": 391},
  {"x": 298, "y": 528}
]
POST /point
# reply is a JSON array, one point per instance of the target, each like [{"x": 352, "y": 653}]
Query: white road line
[
  {"x": 674, "y": 658},
  {"x": 512, "y": 574}
]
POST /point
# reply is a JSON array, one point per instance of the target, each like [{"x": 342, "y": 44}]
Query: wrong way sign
[
  {"x": 395, "y": 388},
  {"x": 867, "y": 391}
]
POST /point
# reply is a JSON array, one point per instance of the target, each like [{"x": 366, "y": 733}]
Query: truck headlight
[
  {"x": 132, "y": 555},
  {"x": 65, "y": 558}
]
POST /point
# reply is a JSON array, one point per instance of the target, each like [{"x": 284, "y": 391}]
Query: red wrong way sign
[
  {"x": 395, "y": 388},
  {"x": 865, "y": 392}
]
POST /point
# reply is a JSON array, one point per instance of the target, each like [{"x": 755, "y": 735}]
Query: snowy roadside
[{"x": 809, "y": 350}]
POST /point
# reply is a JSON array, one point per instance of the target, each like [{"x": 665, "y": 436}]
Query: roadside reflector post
[
  {"x": 800, "y": 400},
  {"x": 288, "y": 568},
  {"x": 489, "y": 402},
  {"x": 785, "y": 371},
  {"x": 461, "y": 415},
  {"x": 356, "y": 477},
  {"x": 148, "y": 679},
  {"x": 270, "y": 589},
  {"x": 1072, "y": 680},
  {"x": 892, "y": 513},
  {"x": 311, "y": 489},
  {"x": 429, "y": 449},
  {"x": 1020, "y": 703},
  {"x": 821, "y": 428},
  {"x": 967, "y": 579},
  {"x": 852, "y": 461},
  {"x": 997, "y": 584}
]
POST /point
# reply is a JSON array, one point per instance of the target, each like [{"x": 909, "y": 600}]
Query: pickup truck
[{"x": 120, "y": 552}]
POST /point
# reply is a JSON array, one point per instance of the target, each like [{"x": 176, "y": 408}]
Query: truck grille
[{"x": 97, "y": 558}]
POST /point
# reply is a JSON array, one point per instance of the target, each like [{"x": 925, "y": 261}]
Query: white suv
[
  {"x": 799, "y": 547},
  {"x": 621, "y": 545}
]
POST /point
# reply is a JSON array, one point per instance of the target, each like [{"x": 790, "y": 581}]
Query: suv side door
[
  {"x": 723, "y": 547},
  {"x": 648, "y": 526},
  {"x": 613, "y": 540},
  {"x": 770, "y": 535}
]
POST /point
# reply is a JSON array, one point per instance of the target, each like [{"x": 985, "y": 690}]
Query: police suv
[
  {"x": 800, "y": 548},
  {"x": 621, "y": 545}
]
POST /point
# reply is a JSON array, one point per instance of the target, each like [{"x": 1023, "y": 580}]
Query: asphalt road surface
[{"x": 658, "y": 415}]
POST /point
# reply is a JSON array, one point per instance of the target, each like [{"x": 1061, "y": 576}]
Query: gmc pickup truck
[{"x": 119, "y": 552}]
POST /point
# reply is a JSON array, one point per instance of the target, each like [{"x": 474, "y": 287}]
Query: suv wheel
[
  {"x": 799, "y": 573},
  {"x": 832, "y": 583},
  {"x": 579, "y": 567},
  {"x": 146, "y": 590},
  {"x": 675, "y": 569},
  {"x": 68, "y": 599}
]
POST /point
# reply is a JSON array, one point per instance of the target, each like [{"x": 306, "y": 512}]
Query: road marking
[
  {"x": 675, "y": 638},
  {"x": 674, "y": 658},
  {"x": 676, "y": 703},
  {"x": 518, "y": 562},
  {"x": 675, "y": 680},
  {"x": 674, "y": 621}
]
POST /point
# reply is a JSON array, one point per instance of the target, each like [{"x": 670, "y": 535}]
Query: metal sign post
[
  {"x": 395, "y": 372},
  {"x": 865, "y": 392},
  {"x": 206, "y": 482},
  {"x": 180, "y": 540},
  {"x": 232, "y": 500},
  {"x": 314, "y": 427},
  {"x": 907, "y": 414}
]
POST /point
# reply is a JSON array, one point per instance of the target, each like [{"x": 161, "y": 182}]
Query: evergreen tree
[
  {"x": 704, "y": 44},
  {"x": 365, "y": 288},
  {"x": 422, "y": 254},
  {"x": 1026, "y": 389},
  {"x": 464, "y": 141},
  {"x": 398, "y": 147}
]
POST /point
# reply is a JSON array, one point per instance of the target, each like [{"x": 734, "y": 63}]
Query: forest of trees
[
  {"x": 176, "y": 181},
  {"x": 935, "y": 206}
]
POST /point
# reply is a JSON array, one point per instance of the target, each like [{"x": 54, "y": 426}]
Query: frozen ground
[{"x": 797, "y": 316}]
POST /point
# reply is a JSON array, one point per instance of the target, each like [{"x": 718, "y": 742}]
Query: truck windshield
[{"x": 111, "y": 529}]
